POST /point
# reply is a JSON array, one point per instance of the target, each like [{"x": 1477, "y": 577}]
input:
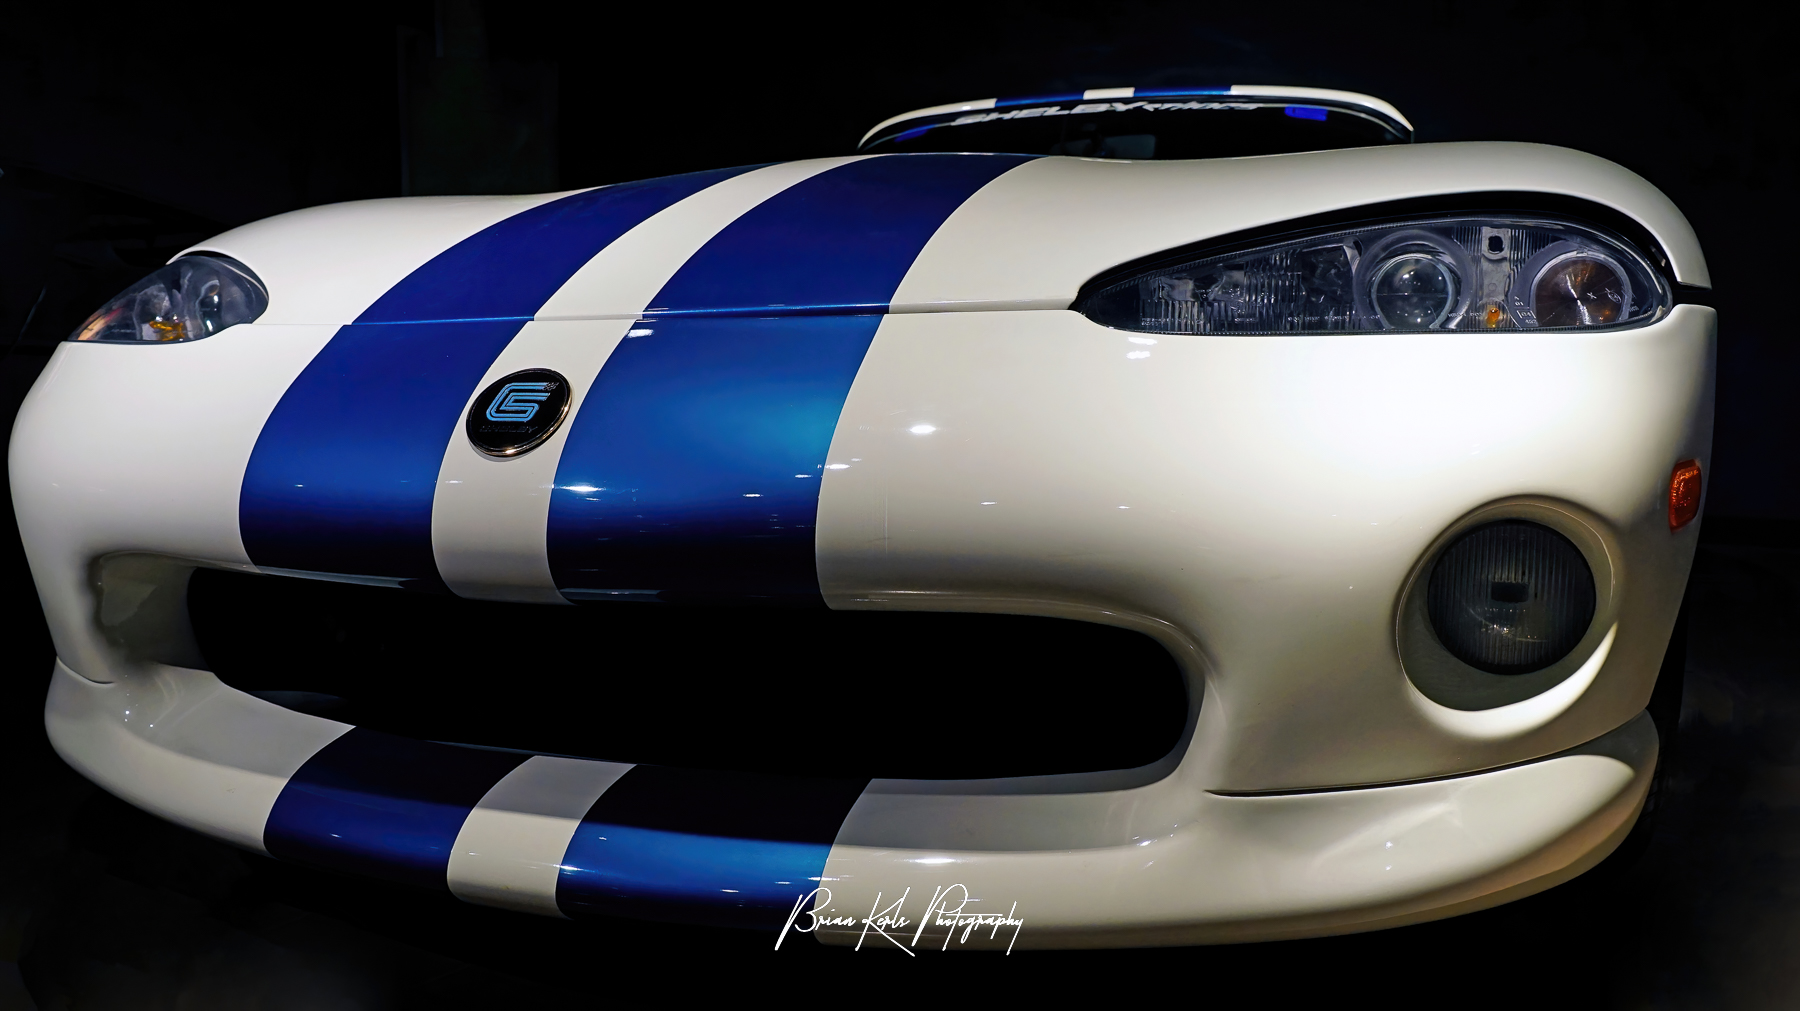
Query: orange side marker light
[{"x": 1684, "y": 494}]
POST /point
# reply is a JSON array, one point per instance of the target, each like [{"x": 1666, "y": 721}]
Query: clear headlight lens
[
  {"x": 1580, "y": 290},
  {"x": 1414, "y": 292},
  {"x": 194, "y": 297},
  {"x": 1454, "y": 273}
]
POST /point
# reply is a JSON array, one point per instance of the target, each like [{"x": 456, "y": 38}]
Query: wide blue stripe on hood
[
  {"x": 344, "y": 471},
  {"x": 841, "y": 240},
  {"x": 510, "y": 269},
  {"x": 692, "y": 470}
]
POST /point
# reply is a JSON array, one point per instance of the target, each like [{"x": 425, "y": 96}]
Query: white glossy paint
[
  {"x": 183, "y": 746},
  {"x": 621, "y": 279},
  {"x": 1262, "y": 500},
  {"x": 125, "y": 449},
  {"x": 328, "y": 264},
  {"x": 1219, "y": 868},
  {"x": 1156, "y": 864},
  {"x": 510, "y": 850},
  {"x": 489, "y": 515},
  {"x": 1034, "y": 236},
  {"x": 1030, "y": 239},
  {"x": 1518, "y": 718}
]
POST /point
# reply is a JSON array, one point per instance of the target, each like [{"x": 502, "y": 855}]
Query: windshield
[{"x": 1143, "y": 130}]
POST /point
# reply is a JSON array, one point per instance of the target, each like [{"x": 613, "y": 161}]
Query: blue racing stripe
[
  {"x": 344, "y": 471},
  {"x": 343, "y": 474},
  {"x": 372, "y": 803},
  {"x": 509, "y": 269},
  {"x": 732, "y": 849},
  {"x": 843, "y": 238},
  {"x": 693, "y": 467}
]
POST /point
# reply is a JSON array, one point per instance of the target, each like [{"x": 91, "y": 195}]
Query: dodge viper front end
[{"x": 1163, "y": 548}]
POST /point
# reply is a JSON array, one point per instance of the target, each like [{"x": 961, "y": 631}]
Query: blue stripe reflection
[
  {"x": 620, "y": 870},
  {"x": 376, "y": 804},
  {"x": 693, "y": 468}
]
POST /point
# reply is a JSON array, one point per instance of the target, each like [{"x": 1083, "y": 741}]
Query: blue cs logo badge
[
  {"x": 517, "y": 413},
  {"x": 519, "y": 401}
]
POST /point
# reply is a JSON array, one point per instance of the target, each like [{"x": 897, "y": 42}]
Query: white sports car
[{"x": 1139, "y": 517}]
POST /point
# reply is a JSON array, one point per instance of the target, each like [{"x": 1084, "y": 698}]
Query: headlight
[
  {"x": 194, "y": 297},
  {"x": 1456, "y": 273}
]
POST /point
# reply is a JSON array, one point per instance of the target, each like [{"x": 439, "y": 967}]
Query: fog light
[
  {"x": 1684, "y": 494},
  {"x": 1510, "y": 597}
]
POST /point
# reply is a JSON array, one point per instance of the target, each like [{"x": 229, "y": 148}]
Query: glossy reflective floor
[{"x": 104, "y": 907}]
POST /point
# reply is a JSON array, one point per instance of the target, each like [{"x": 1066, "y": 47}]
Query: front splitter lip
[
  {"x": 1078, "y": 869},
  {"x": 1264, "y": 867}
]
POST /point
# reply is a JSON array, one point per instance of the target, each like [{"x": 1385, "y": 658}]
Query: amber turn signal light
[{"x": 1684, "y": 494}]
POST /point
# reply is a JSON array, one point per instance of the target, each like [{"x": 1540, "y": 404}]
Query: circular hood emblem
[{"x": 517, "y": 413}]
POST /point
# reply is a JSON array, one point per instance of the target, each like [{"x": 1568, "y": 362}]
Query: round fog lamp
[{"x": 1510, "y": 597}]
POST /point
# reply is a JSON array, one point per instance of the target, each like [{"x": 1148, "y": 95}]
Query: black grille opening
[{"x": 796, "y": 691}]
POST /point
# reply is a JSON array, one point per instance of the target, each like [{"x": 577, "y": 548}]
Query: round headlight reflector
[
  {"x": 1414, "y": 292},
  {"x": 1580, "y": 289},
  {"x": 1510, "y": 597}
]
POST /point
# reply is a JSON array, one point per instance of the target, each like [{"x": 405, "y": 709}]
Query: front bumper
[{"x": 1158, "y": 863}]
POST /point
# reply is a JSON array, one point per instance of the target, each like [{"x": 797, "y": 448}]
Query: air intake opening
[{"x": 814, "y": 692}]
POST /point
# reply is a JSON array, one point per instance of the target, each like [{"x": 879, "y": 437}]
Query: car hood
[{"x": 887, "y": 233}]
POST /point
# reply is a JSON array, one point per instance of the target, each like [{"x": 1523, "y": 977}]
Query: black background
[{"x": 128, "y": 132}]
